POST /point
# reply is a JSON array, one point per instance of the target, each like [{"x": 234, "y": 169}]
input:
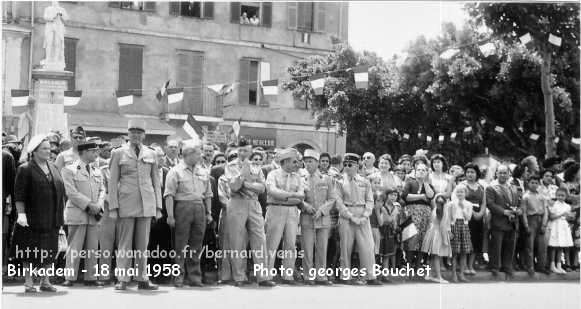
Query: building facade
[{"x": 136, "y": 47}]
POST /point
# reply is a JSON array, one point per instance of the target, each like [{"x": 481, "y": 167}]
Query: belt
[
  {"x": 540, "y": 215},
  {"x": 284, "y": 205},
  {"x": 353, "y": 205}
]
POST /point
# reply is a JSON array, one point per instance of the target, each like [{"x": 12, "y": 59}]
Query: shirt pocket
[
  {"x": 362, "y": 190},
  {"x": 321, "y": 192},
  {"x": 185, "y": 185}
]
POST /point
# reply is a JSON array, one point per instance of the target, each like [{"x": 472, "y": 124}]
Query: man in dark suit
[
  {"x": 503, "y": 202},
  {"x": 8, "y": 175}
]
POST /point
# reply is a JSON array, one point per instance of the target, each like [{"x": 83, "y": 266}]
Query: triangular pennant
[
  {"x": 361, "y": 76},
  {"x": 453, "y": 135},
  {"x": 441, "y": 138},
  {"x": 270, "y": 87},
  {"x": 467, "y": 129},
  {"x": 72, "y": 98},
  {"x": 175, "y": 95},
  {"x": 448, "y": 54},
  {"x": 406, "y": 136},
  {"x": 487, "y": 49},
  {"x": 555, "y": 40},
  {"x": 236, "y": 127},
  {"x": 317, "y": 83},
  {"x": 162, "y": 91},
  {"x": 192, "y": 127},
  {"x": 499, "y": 129},
  {"x": 124, "y": 97},
  {"x": 534, "y": 136},
  {"x": 216, "y": 88},
  {"x": 525, "y": 39},
  {"x": 19, "y": 97},
  {"x": 428, "y": 139}
]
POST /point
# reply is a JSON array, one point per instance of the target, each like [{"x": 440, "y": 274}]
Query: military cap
[
  {"x": 351, "y": 157},
  {"x": 87, "y": 146},
  {"x": 136, "y": 124},
  {"x": 310, "y": 153}
]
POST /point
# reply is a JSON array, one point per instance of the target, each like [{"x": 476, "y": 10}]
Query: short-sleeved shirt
[
  {"x": 279, "y": 179},
  {"x": 533, "y": 204},
  {"x": 233, "y": 170},
  {"x": 185, "y": 184}
]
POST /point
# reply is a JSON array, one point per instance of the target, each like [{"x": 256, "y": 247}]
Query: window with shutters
[
  {"x": 252, "y": 73},
  {"x": 252, "y": 13},
  {"x": 134, "y": 5},
  {"x": 130, "y": 68},
  {"x": 71, "y": 61},
  {"x": 196, "y": 9},
  {"x": 306, "y": 16},
  {"x": 190, "y": 76}
]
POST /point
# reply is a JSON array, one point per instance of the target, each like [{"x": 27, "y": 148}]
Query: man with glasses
[
  {"x": 171, "y": 154},
  {"x": 135, "y": 199},
  {"x": 244, "y": 217},
  {"x": 285, "y": 192},
  {"x": 355, "y": 204},
  {"x": 368, "y": 167},
  {"x": 70, "y": 156}
]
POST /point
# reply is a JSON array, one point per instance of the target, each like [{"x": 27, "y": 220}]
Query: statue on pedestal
[{"x": 54, "y": 37}]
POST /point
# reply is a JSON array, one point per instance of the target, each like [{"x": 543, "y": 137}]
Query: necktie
[
  {"x": 508, "y": 193},
  {"x": 137, "y": 151},
  {"x": 354, "y": 195},
  {"x": 288, "y": 181},
  {"x": 88, "y": 169}
]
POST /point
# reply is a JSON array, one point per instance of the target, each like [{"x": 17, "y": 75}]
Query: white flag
[
  {"x": 467, "y": 129},
  {"x": 406, "y": 136},
  {"x": 236, "y": 127},
  {"x": 555, "y": 40},
  {"x": 534, "y": 136},
  {"x": 499, "y": 129},
  {"x": 441, "y": 138},
  {"x": 487, "y": 49},
  {"x": 453, "y": 135},
  {"x": 526, "y": 38},
  {"x": 448, "y": 54},
  {"x": 576, "y": 140}
]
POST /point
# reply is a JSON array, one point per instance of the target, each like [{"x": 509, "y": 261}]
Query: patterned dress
[{"x": 419, "y": 211}]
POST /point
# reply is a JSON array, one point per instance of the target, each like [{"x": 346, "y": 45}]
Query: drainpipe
[{"x": 31, "y": 44}]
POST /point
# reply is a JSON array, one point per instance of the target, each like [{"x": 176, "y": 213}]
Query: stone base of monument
[{"x": 48, "y": 90}]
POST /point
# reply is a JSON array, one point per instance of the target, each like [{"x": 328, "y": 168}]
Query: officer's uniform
[
  {"x": 107, "y": 227},
  {"x": 69, "y": 156},
  {"x": 84, "y": 185},
  {"x": 135, "y": 192},
  {"x": 355, "y": 198},
  {"x": 282, "y": 216},
  {"x": 189, "y": 189},
  {"x": 320, "y": 194}
]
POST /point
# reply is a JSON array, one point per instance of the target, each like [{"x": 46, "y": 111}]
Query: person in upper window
[
  {"x": 254, "y": 20},
  {"x": 244, "y": 19}
]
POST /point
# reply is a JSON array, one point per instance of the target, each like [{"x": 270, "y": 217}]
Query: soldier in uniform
[
  {"x": 355, "y": 204},
  {"x": 86, "y": 193},
  {"x": 107, "y": 230},
  {"x": 135, "y": 198},
  {"x": 188, "y": 198},
  {"x": 285, "y": 193},
  {"x": 171, "y": 158},
  {"x": 104, "y": 155},
  {"x": 244, "y": 219},
  {"x": 315, "y": 218},
  {"x": 70, "y": 156}
]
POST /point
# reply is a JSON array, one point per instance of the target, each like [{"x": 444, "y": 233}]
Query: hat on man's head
[
  {"x": 405, "y": 157},
  {"x": 34, "y": 142},
  {"x": 287, "y": 153},
  {"x": 351, "y": 157},
  {"x": 87, "y": 146},
  {"x": 173, "y": 142},
  {"x": 11, "y": 139},
  {"x": 549, "y": 162},
  {"x": 136, "y": 124},
  {"x": 79, "y": 131},
  {"x": 242, "y": 142},
  {"x": 310, "y": 153}
]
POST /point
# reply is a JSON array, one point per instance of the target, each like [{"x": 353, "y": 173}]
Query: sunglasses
[
  {"x": 348, "y": 164},
  {"x": 78, "y": 137},
  {"x": 220, "y": 161},
  {"x": 367, "y": 158}
]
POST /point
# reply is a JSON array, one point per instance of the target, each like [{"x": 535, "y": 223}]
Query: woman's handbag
[{"x": 63, "y": 243}]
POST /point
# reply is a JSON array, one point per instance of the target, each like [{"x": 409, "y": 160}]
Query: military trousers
[
  {"x": 282, "y": 224},
  {"x": 361, "y": 237},
  {"x": 83, "y": 240},
  {"x": 189, "y": 230},
  {"x": 133, "y": 237}
]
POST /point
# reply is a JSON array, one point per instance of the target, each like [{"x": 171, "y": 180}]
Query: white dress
[{"x": 559, "y": 228}]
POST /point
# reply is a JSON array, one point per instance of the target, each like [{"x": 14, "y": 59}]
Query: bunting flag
[
  {"x": 406, "y": 136},
  {"x": 534, "y": 136},
  {"x": 193, "y": 128},
  {"x": 556, "y": 140},
  {"x": 499, "y": 129},
  {"x": 394, "y": 131},
  {"x": 520, "y": 128},
  {"x": 72, "y": 98},
  {"x": 428, "y": 139},
  {"x": 419, "y": 135},
  {"x": 222, "y": 89},
  {"x": 487, "y": 49},
  {"x": 270, "y": 87},
  {"x": 576, "y": 140},
  {"x": 124, "y": 98},
  {"x": 525, "y": 39},
  {"x": 441, "y": 138},
  {"x": 483, "y": 121},
  {"x": 175, "y": 95},
  {"x": 317, "y": 83},
  {"x": 19, "y": 97},
  {"x": 448, "y": 54},
  {"x": 162, "y": 91},
  {"x": 453, "y": 135},
  {"x": 555, "y": 40},
  {"x": 236, "y": 127},
  {"x": 361, "y": 76},
  {"x": 467, "y": 129},
  {"x": 217, "y": 87}
]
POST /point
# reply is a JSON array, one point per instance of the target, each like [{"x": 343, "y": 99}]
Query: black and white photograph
[{"x": 343, "y": 154}]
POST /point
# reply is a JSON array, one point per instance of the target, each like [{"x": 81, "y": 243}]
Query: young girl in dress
[
  {"x": 437, "y": 240},
  {"x": 461, "y": 212},
  {"x": 379, "y": 200},
  {"x": 389, "y": 223},
  {"x": 560, "y": 234}
]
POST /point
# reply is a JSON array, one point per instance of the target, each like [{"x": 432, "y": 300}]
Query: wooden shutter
[
  {"x": 130, "y": 68},
  {"x": 190, "y": 70},
  {"x": 267, "y": 14},
  {"x": 114, "y": 4},
  {"x": 320, "y": 12},
  {"x": 292, "y": 14},
  {"x": 243, "y": 79},
  {"x": 174, "y": 8},
  {"x": 71, "y": 61},
  {"x": 149, "y": 6},
  {"x": 305, "y": 16},
  {"x": 235, "y": 12},
  {"x": 208, "y": 10}
]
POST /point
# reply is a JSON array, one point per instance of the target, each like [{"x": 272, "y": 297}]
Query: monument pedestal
[{"x": 49, "y": 90}]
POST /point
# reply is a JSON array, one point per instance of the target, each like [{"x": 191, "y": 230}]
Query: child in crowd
[
  {"x": 389, "y": 222},
  {"x": 560, "y": 238},
  {"x": 534, "y": 206},
  {"x": 437, "y": 240},
  {"x": 461, "y": 212},
  {"x": 379, "y": 200}
]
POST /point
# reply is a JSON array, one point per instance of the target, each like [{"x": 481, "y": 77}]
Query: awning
[{"x": 116, "y": 123}]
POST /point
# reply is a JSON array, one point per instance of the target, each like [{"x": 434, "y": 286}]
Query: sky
[{"x": 387, "y": 27}]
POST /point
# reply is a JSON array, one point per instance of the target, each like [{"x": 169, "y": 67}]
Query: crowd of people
[{"x": 276, "y": 215}]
